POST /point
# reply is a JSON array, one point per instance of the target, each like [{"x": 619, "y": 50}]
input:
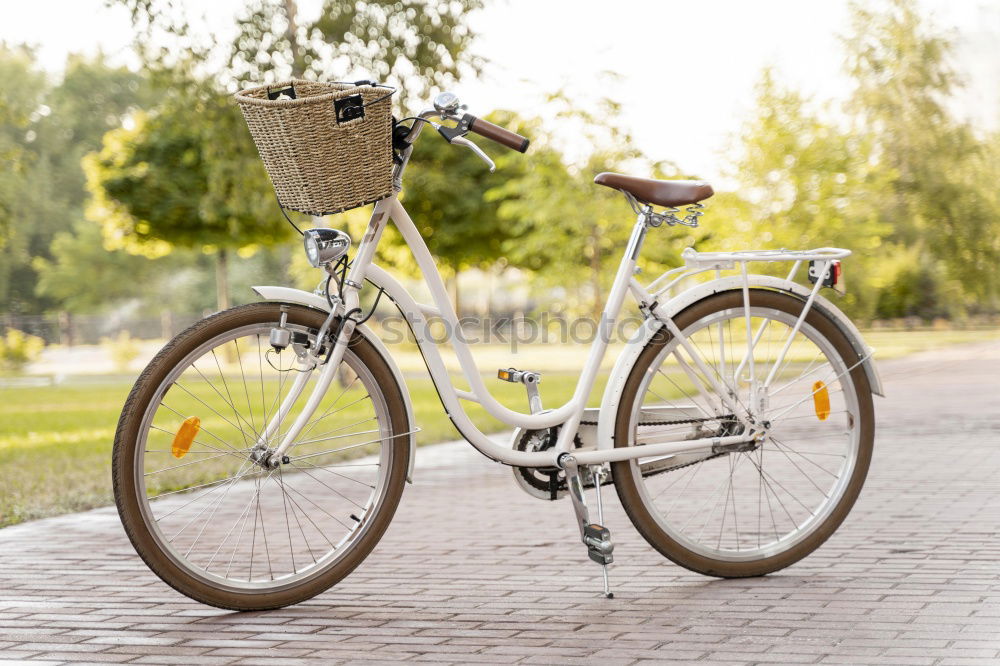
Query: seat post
[{"x": 638, "y": 236}]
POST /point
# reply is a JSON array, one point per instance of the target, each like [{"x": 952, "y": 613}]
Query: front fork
[
  {"x": 343, "y": 310},
  {"x": 312, "y": 358}
]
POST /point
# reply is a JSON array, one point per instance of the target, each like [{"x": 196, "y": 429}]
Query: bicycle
[{"x": 736, "y": 426}]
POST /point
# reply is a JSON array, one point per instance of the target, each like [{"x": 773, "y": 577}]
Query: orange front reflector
[
  {"x": 185, "y": 435},
  {"x": 821, "y": 401}
]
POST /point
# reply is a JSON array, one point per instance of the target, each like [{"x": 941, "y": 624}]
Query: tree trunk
[
  {"x": 222, "y": 279},
  {"x": 66, "y": 329},
  {"x": 166, "y": 324}
]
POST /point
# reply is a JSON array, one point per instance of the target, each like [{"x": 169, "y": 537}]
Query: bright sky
[{"x": 687, "y": 69}]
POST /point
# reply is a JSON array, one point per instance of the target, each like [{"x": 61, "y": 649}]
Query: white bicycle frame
[{"x": 650, "y": 300}]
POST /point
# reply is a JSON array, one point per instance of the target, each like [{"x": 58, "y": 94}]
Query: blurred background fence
[{"x": 63, "y": 328}]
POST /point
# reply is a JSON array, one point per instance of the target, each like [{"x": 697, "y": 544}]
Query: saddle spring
[{"x": 694, "y": 211}]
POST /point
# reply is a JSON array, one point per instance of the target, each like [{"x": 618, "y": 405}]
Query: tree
[
  {"x": 161, "y": 184},
  {"x": 84, "y": 277},
  {"x": 939, "y": 198},
  {"x": 563, "y": 226},
  {"x": 45, "y": 128},
  {"x": 891, "y": 175},
  {"x": 229, "y": 202},
  {"x": 803, "y": 182},
  {"x": 417, "y": 44},
  {"x": 19, "y": 73}
]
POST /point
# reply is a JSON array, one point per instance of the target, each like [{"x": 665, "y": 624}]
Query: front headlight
[{"x": 324, "y": 246}]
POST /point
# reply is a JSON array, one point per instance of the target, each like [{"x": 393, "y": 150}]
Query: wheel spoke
[
  {"x": 232, "y": 520},
  {"x": 709, "y": 509}
]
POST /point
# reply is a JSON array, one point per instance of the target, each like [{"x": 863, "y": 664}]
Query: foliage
[
  {"x": 417, "y": 44},
  {"x": 83, "y": 276},
  {"x": 154, "y": 186},
  {"x": 45, "y": 128},
  {"x": 19, "y": 74},
  {"x": 565, "y": 228},
  {"x": 803, "y": 182},
  {"x": 185, "y": 175},
  {"x": 891, "y": 175},
  {"x": 941, "y": 194},
  {"x": 16, "y": 114},
  {"x": 167, "y": 181},
  {"x": 18, "y": 349}
]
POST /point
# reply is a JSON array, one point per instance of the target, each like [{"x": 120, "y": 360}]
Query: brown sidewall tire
[
  {"x": 127, "y": 435},
  {"x": 628, "y": 490}
]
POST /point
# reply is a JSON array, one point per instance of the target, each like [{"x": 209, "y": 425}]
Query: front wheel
[
  {"x": 204, "y": 515},
  {"x": 751, "y": 509}
]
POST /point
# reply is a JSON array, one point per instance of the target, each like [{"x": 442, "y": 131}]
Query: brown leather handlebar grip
[{"x": 496, "y": 133}]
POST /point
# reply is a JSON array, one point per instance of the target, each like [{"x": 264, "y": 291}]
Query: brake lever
[
  {"x": 462, "y": 141},
  {"x": 456, "y": 135}
]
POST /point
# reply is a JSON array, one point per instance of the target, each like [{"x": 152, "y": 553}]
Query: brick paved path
[{"x": 913, "y": 576}]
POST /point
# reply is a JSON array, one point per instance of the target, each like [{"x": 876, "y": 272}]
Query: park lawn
[{"x": 55, "y": 442}]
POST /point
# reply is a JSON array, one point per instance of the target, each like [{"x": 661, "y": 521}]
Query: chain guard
[{"x": 538, "y": 481}]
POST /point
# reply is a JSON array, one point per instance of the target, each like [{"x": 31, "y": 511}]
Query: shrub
[{"x": 18, "y": 349}]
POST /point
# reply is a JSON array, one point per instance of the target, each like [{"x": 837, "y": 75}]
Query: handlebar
[
  {"x": 498, "y": 134},
  {"x": 446, "y": 107}
]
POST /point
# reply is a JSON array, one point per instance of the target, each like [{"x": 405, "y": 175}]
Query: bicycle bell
[{"x": 446, "y": 103}]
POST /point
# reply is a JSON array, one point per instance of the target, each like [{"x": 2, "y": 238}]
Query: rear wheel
[
  {"x": 746, "y": 512},
  {"x": 208, "y": 519}
]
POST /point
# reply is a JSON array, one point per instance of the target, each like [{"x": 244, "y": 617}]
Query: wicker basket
[{"x": 326, "y": 146}]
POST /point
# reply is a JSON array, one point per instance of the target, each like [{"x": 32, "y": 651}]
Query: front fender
[
  {"x": 317, "y": 302},
  {"x": 623, "y": 365}
]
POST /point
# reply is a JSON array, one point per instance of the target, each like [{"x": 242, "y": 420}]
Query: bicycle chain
[
  {"x": 528, "y": 473},
  {"x": 681, "y": 422},
  {"x": 702, "y": 419}
]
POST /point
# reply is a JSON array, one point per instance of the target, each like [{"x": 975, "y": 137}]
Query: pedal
[
  {"x": 515, "y": 376},
  {"x": 530, "y": 379},
  {"x": 599, "y": 545}
]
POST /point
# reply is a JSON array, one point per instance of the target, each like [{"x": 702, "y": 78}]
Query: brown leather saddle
[{"x": 668, "y": 193}]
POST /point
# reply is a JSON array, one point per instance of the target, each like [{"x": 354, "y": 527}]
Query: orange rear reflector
[
  {"x": 185, "y": 435},
  {"x": 821, "y": 401}
]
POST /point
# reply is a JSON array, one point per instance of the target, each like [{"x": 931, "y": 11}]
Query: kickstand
[
  {"x": 595, "y": 536},
  {"x": 599, "y": 475}
]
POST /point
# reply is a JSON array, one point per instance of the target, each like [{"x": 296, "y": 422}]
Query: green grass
[{"x": 55, "y": 442}]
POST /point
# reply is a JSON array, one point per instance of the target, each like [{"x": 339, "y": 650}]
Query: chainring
[{"x": 537, "y": 481}]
